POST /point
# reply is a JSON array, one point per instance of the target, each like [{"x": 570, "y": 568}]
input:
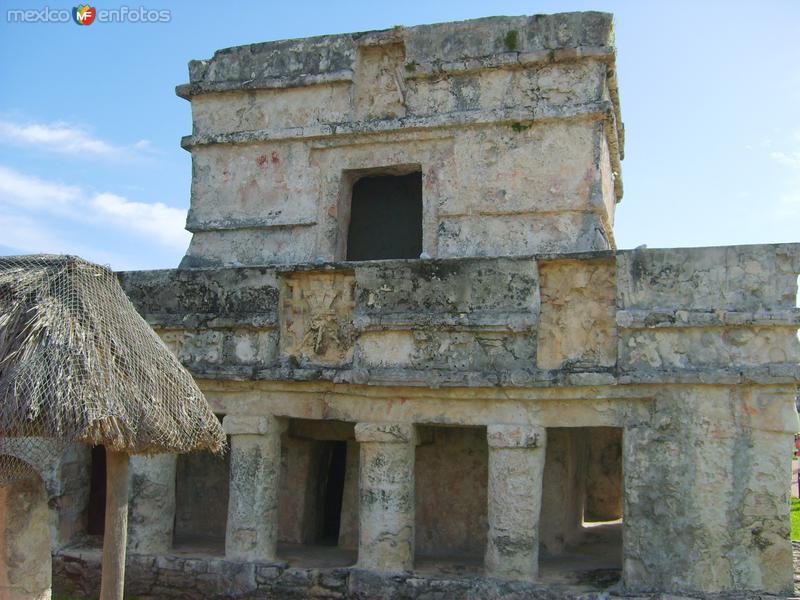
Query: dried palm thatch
[{"x": 78, "y": 363}]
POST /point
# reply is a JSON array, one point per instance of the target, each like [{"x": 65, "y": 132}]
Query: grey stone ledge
[
  {"x": 421, "y": 70},
  {"x": 487, "y": 321},
  {"x": 196, "y": 225},
  {"x": 189, "y": 90},
  {"x": 195, "y": 321},
  {"x": 465, "y": 118},
  {"x": 687, "y": 318},
  {"x": 733, "y": 375},
  {"x": 511, "y": 378},
  {"x": 435, "y": 68},
  {"x": 296, "y": 61}
]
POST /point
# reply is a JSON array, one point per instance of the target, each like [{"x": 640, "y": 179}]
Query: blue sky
[{"x": 90, "y": 161}]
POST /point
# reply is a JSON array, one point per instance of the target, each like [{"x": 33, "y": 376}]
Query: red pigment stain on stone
[
  {"x": 275, "y": 159},
  {"x": 261, "y": 160}
]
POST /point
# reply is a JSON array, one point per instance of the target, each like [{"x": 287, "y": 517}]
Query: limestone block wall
[
  {"x": 710, "y": 316},
  {"x": 707, "y": 493},
  {"x": 691, "y": 355},
  {"x": 721, "y": 309},
  {"x": 67, "y": 485},
  {"x": 64, "y": 470},
  {"x": 513, "y": 123},
  {"x": 501, "y": 320}
]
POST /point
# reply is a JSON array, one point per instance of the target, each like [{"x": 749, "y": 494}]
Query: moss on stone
[{"x": 511, "y": 40}]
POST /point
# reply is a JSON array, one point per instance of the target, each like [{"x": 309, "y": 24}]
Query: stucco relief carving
[{"x": 316, "y": 317}]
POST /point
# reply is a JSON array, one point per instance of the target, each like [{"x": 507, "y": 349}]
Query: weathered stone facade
[{"x": 523, "y": 410}]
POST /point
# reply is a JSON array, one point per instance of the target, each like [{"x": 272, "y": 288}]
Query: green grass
[{"x": 796, "y": 519}]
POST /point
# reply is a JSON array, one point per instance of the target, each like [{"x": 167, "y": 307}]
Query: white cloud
[
  {"x": 26, "y": 235},
  {"x": 65, "y": 138},
  {"x": 157, "y": 219},
  {"x": 34, "y": 192},
  {"x": 791, "y": 159},
  {"x": 21, "y": 193}
]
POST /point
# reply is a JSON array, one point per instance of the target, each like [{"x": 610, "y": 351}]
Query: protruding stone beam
[
  {"x": 151, "y": 508},
  {"x": 386, "y": 496},
  {"x": 516, "y": 466},
  {"x": 252, "y": 529}
]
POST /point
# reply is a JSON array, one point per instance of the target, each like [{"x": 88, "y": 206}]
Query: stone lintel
[
  {"x": 252, "y": 425},
  {"x": 515, "y": 436},
  {"x": 599, "y": 111},
  {"x": 386, "y": 433}
]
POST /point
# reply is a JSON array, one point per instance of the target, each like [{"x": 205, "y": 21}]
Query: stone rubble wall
[{"x": 183, "y": 578}]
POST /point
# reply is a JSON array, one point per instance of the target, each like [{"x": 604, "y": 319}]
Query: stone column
[
  {"x": 25, "y": 568},
  {"x": 386, "y": 496},
  {"x": 151, "y": 508},
  {"x": 516, "y": 467},
  {"x": 252, "y": 529}
]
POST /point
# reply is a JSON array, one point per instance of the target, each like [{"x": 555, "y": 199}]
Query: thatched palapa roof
[{"x": 78, "y": 363}]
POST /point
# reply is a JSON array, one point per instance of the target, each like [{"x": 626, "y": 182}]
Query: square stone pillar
[
  {"x": 516, "y": 467},
  {"x": 252, "y": 529},
  {"x": 151, "y": 507},
  {"x": 386, "y": 496}
]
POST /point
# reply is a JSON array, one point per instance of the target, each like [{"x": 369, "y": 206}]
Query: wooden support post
[{"x": 112, "y": 583}]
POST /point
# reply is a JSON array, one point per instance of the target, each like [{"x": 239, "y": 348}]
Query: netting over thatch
[{"x": 78, "y": 363}]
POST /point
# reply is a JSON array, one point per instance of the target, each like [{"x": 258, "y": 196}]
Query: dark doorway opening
[
  {"x": 332, "y": 479},
  {"x": 318, "y": 498},
  {"x": 386, "y": 217},
  {"x": 97, "y": 492},
  {"x": 202, "y": 484}
]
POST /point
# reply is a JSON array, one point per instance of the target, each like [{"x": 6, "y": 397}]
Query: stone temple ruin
[{"x": 438, "y": 375}]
